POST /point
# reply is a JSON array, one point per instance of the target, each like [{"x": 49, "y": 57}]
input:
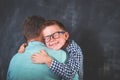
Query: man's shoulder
[
  {"x": 14, "y": 58},
  {"x": 59, "y": 55},
  {"x": 54, "y": 51},
  {"x": 16, "y": 55}
]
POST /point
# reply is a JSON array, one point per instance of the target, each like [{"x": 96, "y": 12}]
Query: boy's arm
[
  {"x": 68, "y": 70},
  {"x": 41, "y": 58}
]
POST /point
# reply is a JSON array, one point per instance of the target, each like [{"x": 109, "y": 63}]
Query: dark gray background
[{"x": 93, "y": 24}]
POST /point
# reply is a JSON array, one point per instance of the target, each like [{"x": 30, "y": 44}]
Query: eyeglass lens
[{"x": 54, "y": 36}]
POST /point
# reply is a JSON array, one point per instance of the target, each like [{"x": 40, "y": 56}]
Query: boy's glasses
[{"x": 55, "y": 35}]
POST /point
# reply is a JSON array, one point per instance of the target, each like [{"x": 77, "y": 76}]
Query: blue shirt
[
  {"x": 22, "y": 68},
  {"x": 73, "y": 65}
]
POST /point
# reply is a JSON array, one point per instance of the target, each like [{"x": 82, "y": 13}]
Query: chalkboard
[{"x": 93, "y": 24}]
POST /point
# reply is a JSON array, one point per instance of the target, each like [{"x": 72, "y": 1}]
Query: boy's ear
[{"x": 66, "y": 35}]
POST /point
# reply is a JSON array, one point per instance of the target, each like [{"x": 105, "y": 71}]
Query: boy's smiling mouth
[{"x": 53, "y": 45}]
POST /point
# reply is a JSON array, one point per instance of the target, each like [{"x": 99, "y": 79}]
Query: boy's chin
[{"x": 56, "y": 48}]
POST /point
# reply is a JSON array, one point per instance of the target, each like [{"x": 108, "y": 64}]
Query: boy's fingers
[
  {"x": 24, "y": 44},
  {"x": 43, "y": 52},
  {"x": 35, "y": 55}
]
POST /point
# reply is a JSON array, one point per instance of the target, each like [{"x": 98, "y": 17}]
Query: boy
[{"x": 56, "y": 37}]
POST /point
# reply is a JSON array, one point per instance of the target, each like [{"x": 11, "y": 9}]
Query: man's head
[
  {"x": 31, "y": 27},
  {"x": 54, "y": 34}
]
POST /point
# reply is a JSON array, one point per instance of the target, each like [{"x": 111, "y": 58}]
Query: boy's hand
[
  {"x": 22, "y": 48},
  {"x": 42, "y": 58}
]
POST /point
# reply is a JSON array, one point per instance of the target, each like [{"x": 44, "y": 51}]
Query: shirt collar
[{"x": 36, "y": 42}]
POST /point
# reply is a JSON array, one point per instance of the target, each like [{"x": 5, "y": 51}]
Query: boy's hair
[
  {"x": 52, "y": 22},
  {"x": 31, "y": 26}
]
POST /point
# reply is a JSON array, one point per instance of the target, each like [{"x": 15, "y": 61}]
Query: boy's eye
[
  {"x": 53, "y": 36},
  {"x": 47, "y": 38},
  {"x": 56, "y": 35}
]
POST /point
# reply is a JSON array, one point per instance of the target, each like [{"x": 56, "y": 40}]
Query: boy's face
[{"x": 55, "y": 38}]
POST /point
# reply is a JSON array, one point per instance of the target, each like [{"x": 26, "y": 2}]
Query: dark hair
[
  {"x": 52, "y": 22},
  {"x": 31, "y": 26}
]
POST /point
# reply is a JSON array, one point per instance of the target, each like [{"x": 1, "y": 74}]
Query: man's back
[{"x": 22, "y": 68}]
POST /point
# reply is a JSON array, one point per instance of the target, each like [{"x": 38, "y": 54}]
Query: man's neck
[{"x": 34, "y": 39}]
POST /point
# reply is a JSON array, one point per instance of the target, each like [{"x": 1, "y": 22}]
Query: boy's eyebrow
[{"x": 56, "y": 32}]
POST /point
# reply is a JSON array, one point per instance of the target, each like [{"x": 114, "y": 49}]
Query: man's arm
[
  {"x": 10, "y": 69},
  {"x": 8, "y": 75}
]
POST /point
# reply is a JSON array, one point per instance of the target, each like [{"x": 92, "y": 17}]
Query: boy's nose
[{"x": 52, "y": 38}]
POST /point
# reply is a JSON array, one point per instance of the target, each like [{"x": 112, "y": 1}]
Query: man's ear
[{"x": 66, "y": 35}]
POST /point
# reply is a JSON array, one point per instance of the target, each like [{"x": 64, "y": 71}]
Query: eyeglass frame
[{"x": 52, "y": 36}]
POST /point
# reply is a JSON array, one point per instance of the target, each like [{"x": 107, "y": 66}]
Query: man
[{"x": 21, "y": 66}]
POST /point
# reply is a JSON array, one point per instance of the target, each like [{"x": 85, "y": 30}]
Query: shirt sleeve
[
  {"x": 8, "y": 75},
  {"x": 9, "y": 71},
  {"x": 68, "y": 70}
]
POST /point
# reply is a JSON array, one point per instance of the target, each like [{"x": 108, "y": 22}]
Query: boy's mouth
[{"x": 54, "y": 44}]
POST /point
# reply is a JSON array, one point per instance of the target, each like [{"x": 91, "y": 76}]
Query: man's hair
[
  {"x": 31, "y": 26},
  {"x": 52, "y": 22}
]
